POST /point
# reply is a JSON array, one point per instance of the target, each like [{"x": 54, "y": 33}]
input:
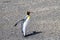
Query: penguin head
[{"x": 28, "y": 12}]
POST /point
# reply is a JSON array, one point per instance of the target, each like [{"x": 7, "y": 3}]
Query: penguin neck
[{"x": 28, "y": 16}]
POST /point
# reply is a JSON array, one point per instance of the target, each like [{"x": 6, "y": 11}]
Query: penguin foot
[{"x": 25, "y": 35}]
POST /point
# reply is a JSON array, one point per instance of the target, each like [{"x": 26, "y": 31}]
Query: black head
[{"x": 28, "y": 13}]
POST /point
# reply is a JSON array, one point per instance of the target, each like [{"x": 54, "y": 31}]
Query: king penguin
[{"x": 25, "y": 23}]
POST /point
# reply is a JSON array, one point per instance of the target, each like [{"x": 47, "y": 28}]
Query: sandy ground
[{"x": 46, "y": 18}]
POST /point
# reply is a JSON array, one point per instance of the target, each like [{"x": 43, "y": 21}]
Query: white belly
[{"x": 26, "y": 22}]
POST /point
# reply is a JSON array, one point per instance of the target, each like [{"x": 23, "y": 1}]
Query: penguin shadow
[{"x": 33, "y": 33}]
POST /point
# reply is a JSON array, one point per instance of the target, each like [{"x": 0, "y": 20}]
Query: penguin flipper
[
  {"x": 19, "y": 21},
  {"x": 16, "y": 24}
]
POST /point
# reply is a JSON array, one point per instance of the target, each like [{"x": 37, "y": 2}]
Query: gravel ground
[{"x": 45, "y": 18}]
